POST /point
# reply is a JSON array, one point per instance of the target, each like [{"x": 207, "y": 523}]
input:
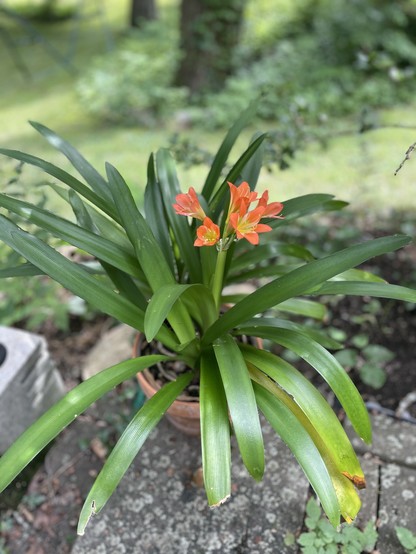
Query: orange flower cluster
[{"x": 241, "y": 222}]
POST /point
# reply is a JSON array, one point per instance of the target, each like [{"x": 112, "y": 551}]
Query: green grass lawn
[{"x": 356, "y": 168}]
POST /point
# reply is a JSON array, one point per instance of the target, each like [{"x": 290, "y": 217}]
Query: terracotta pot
[{"x": 184, "y": 415}]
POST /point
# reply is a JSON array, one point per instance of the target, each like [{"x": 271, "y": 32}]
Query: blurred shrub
[
  {"x": 326, "y": 59},
  {"x": 378, "y": 34},
  {"x": 132, "y": 85},
  {"x": 339, "y": 58}
]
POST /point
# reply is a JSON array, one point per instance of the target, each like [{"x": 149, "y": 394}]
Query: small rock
[{"x": 114, "y": 347}]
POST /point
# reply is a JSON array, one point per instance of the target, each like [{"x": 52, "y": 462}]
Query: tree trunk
[
  {"x": 210, "y": 32},
  {"x": 142, "y": 10}
]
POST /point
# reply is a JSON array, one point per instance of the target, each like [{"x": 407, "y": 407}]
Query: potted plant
[{"x": 163, "y": 272}]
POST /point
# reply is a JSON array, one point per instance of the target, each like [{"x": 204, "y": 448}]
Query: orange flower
[
  {"x": 208, "y": 233},
  {"x": 272, "y": 209},
  {"x": 188, "y": 204},
  {"x": 239, "y": 195},
  {"x": 246, "y": 224}
]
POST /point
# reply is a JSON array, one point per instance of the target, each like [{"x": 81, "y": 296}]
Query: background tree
[
  {"x": 142, "y": 10},
  {"x": 210, "y": 31}
]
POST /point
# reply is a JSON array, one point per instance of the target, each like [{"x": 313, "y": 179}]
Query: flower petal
[{"x": 188, "y": 205}]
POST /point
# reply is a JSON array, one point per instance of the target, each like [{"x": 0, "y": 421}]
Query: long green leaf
[
  {"x": 292, "y": 432},
  {"x": 311, "y": 402},
  {"x": 51, "y": 423},
  {"x": 234, "y": 174},
  {"x": 215, "y": 433},
  {"x": 221, "y": 157},
  {"x": 301, "y": 206},
  {"x": 65, "y": 178},
  {"x": 358, "y": 275},
  {"x": 251, "y": 171},
  {"x": 330, "y": 369},
  {"x": 123, "y": 282},
  {"x": 164, "y": 299},
  {"x": 184, "y": 234},
  {"x": 348, "y": 499},
  {"x": 262, "y": 271},
  {"x": 76, "y": 279},
  {"x": 315, "y": 334},
  {"x": 381, "y": 290},
  {"x": 84, "y": 168},
  {"x": 128, "y": 446},
  {"x": 304, "y": 307},
  {"x": 108, "y": 228},
  {"x": 299, "y": 281},
  {"x": 23, "y": 270},
  {"x": 156, "y": 214},
  {"x": 241, "y": 403},
  {"x": 147, "y": 250},
  {"x": 73, "y": 234},
  {"x": 253, "y": 256}
]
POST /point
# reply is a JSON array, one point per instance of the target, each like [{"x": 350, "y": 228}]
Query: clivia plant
[{"x": 163, "y": 271}]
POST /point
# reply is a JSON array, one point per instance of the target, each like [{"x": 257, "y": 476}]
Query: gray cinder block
[{"x": 29, "y": 382}]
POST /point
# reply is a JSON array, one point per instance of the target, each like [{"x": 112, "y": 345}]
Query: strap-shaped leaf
[
  {"x": 241, "y": 403},
  {"x": 358, "y": 275},
  {"x": 304, "y": 307},
  {"x": 251, "y": 171},
  {"x": 253, "y": 256},
  {"x": 164, "y": 299},
  {"x": 234, "y": 174},
  {"x": 300, "y": 280},
  {"x": 184, "y": 234},
  {"x": 23, "y": 270},
  {"x": 301, "y": 206},
  {"x": 123, "y": 282},
  {"x": 128, "y": 446},
  {"x": 380, "y": 290},
  {"x": 73, "y": 234},
  {"x": 84, "y": 168},
  {"x": 215, "y": 433},
  {"x": 96, "y": 222},
  {"x": 221, "y": 157},
  {"x": 294, "y": 434},
  {"x": 65, "y": 178},
  {"x": 313, "y": 405},
  {"x": 76, "y": 279},
  {"x": 147, "y": 250},
  {"x": 51, "y": 423},
  {"x": 348, "y": 499},
  {"x": 330, "y": 369},
  {"x": 315, "y": 334},
  {"x": 108, "y": 228},
  {"x": 258, "y": 272},
  {"x": 156, "y": 214}
]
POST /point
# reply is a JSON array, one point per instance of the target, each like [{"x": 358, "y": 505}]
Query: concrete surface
[{"x": 29, "y": 383}]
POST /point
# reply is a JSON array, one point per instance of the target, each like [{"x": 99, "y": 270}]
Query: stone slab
[
  {"x": 394, "y": 452},
  {"x": 393, "y": 440},
  {"x": 158, "y": 508},
  {"x": 29, "y": 383},
  {"x": 397, "y": 506},
  {"x": 22, "y": 351}
]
